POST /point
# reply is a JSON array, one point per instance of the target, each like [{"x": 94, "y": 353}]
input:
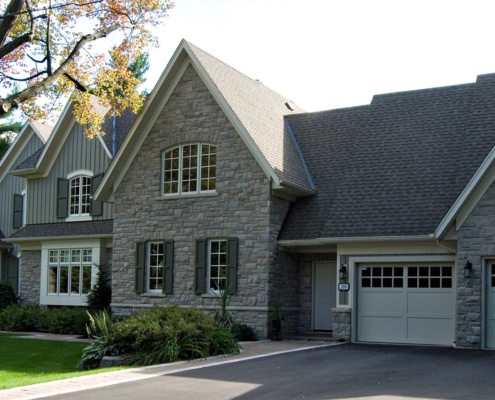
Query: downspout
[{"x": 114, "y": 134}]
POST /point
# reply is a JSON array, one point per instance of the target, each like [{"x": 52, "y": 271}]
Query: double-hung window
[
  {"x": 154, "y": 267},
  {"x": 216, "y": 265},
  {"x": 189, "y": 168}
]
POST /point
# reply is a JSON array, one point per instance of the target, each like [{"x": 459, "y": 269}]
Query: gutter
[
  {"x": 338, "y": 240},
  {"x": 45, "y": 238}
]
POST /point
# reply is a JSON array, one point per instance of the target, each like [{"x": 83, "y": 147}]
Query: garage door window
[
  {"x": 382, "y": 277},
  {"x": 429, "y": 277}
]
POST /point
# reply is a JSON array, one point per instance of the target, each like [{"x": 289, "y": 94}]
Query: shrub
[
  {"x": 99, "y": 328},
  {"x": 65, "y": 320},
  {"x": 100, "y": 296},
  {"x": 23, "y": 318},
  {"x": 168, "y": 334},
  {"x": 7, "y": 295},
  {"x": 243, "y": 332}
]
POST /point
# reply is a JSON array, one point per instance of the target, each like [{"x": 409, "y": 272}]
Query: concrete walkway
[{"x": 249, "y": 350}]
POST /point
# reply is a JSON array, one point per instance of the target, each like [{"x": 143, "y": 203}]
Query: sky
[{"x": 326, "y": 54}]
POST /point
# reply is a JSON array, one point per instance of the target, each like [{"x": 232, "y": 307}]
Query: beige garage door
[{"x": 411, "y": 304}]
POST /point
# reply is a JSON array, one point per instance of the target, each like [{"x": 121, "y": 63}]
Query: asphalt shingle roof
[
  {"x": 65, "y": 229},
  {"x": 30, "y": 162},
  {"x": 395, "y": 167},
  {"x": 123, "y": 124},
  {"x": 261, "y": 111}
]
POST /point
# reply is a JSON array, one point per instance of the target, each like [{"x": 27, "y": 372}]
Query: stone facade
[
  {"x": 242, "y": 207},
  {"x": 30, "y": 270},
  {"x": 342, "y": 324},
  {"x": 476, "y": 243}
]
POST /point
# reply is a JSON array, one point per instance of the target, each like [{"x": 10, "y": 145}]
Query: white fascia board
[
  {"x": 367, "y": 239},
  {"x": 463, "y": 197},
  {"x": 14, "y": 150},
  {"x": 122, "y": 161},
  {"x": 104, "y": 145},
  {"x": 56, "y": 238},
  {"x": 57, "y": 140},
  {"x": 234, "y": 120}
]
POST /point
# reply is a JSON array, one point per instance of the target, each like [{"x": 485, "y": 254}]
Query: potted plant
[{"x": 276, "y": 316}]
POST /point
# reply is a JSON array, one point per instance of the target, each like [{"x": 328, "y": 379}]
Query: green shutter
[
  {"x": 12, "y": 274},
  {"x": 232, "y": 265},
  {"x": 62, "y": 198},
  {"x": 17, "y": 214},
  {"x": 96, "y": 207},
  {"x": 168, "y": 267},
  {"x": 200, "y": 266},
  {"x": 140, "y": 266}
]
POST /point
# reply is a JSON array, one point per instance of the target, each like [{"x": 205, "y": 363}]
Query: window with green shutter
[
  {"x": 154, "y": 267},
  {"x": 216, "y": 265}
]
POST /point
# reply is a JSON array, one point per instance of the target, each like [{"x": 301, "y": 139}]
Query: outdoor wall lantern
[
  {"x": 468, "y": 270},
  {"x": 343, "y": 271}
]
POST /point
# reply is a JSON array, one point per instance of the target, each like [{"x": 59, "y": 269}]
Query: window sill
[
  {"x": 149, "y": 294},
  {"x": 75, "y": 218},
  {"x": 187, "y": 196}
]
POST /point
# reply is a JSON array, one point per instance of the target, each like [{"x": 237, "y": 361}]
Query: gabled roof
[
  {"x": 393, "y": 168},
  {"x": 40, "y": 163},
  {"x": 23, "y": 137},
  {"x": 70, "y": 230},
  {"x": 255, "y": 111}
]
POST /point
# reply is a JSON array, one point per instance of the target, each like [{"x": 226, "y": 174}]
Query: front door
[
  {"x": 324, "y": 295},
  {"x": 490, "y": 306}
]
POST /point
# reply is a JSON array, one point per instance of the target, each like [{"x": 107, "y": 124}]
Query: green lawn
[{"x": 29, "y": 361}]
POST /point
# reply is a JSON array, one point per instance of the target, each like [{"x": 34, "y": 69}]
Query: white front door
[
  {"x": 324, "y": 295},
  {"x": 490, "y": 306}
]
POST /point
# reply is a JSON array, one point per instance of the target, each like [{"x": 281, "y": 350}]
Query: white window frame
[
  {"x": 24, "y": 205},
  {"x": 80, "y": 216},
  {"x": 68, "y": 299},
  {"x": 199, "y": 168},
  {"x": 149, "y": 259},
  {"x": 221, "y": 264}
]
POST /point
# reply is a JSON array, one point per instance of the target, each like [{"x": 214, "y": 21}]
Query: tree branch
[
  {"x": 14, "y": 44},
  {"x": 32, "y": 91},
  {"x": 79, "y": 85},
  {"x": 9, "y": 18}
]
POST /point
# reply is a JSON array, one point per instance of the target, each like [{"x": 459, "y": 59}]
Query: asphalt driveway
[{"x": 349, "y": 371}]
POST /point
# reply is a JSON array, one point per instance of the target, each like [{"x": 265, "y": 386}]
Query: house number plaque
[{"x": 344, "y": 287}]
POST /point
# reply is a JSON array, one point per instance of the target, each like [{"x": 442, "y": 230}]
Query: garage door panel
[
  {"x": 430, "y": 304},
  {"x": 417, "y": 308},
  {"x": 379, "y": 303},
  {"x": 430, "y": 330},
  {"x": 381, "y": 329}
]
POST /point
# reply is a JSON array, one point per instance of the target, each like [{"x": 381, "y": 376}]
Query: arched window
[
  {"x": 189, "y": 168},
  {"x": 80, "y": 195}
]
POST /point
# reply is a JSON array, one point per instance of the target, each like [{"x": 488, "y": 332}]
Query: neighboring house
[
  {"x": 67, "y": 234},
  {"x": 30, "y": 139}
]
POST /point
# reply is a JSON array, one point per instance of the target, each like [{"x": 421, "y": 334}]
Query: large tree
[{"x": 46, "y": 53}]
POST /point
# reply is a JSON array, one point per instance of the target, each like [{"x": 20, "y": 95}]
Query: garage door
[{"x": 411, "y": 304}]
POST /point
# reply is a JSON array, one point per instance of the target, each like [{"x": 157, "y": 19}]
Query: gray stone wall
[
  {"x": 242, "y": 207},
  {"x": 30, "y": 274},
  {"x": 476, "y": 241},
  {"x": 342, "y": 324}
]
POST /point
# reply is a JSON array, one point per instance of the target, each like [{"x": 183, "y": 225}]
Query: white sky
[{"x": 325, "y": 54}]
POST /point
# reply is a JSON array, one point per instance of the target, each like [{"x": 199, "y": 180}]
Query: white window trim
[
  {"x": 198, "y": 190},
  {"x": 98, "y": 252},
  {"x": 80, "y": 217},
  {"x": 24, "y": 206},
  {"x": 209, "y": 290},
  {"x": 148, "y": 267}
]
